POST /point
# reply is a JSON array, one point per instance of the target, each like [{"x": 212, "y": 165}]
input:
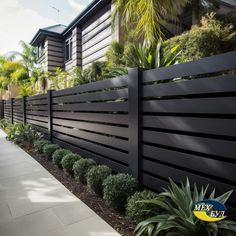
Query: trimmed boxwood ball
[
  {"x": 117, "y": 189},
  {"x": 68, "y": 162},
  {"x": 81, "y": 168},
  {"x": 49, "y": 149},
  {"x": 139, "y": 211},
  {"x": 96, "y": 176},
  {"x": 39, "y": 144},
  {"x": 58, "y": 155}
]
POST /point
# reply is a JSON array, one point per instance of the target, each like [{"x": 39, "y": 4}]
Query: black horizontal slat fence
[{"x": 172, "y": 122}]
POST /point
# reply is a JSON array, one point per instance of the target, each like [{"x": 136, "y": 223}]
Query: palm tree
[
  {"x": 148, "y": 17},
  {"x": 28, "y": 57}
]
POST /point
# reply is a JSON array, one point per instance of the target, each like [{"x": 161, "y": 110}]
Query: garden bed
[{"x": 118, "y": 221}]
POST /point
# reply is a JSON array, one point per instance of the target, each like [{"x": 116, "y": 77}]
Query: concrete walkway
[{"x": 34, "y": 203}]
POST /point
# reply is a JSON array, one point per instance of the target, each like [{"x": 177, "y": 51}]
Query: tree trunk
[{"x": 195, "y": 11}]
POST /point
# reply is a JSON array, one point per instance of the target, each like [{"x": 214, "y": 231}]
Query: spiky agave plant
[
  {"x": 150, "y": 57},
  {"x": 177, "y": 218}
]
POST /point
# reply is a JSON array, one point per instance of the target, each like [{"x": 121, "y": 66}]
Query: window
[
  {"x": 68, "y": 49},
  {"x": 40, "y": 49}
]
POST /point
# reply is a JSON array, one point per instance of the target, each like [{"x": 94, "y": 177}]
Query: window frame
[{"x": 68, "y": 46}]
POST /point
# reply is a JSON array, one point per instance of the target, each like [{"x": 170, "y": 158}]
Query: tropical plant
[
  {"x": 26, "y": 89},
  {"x": 76, "y": 77},
  {"x": 148, "y": 17},
  {"x": 114, "y": 55},
  {"x": 150, "y": 57},
  {"x": 177, "y": 218},
  {"x": 59, "y": 79},
  {"x": 28, "y": 57},
  {"x": 39, "y": 78},
  {"x": 94, "y": 72}
]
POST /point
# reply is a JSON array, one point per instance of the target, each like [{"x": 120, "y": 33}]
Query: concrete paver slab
[{"x": 34, "y": 203}]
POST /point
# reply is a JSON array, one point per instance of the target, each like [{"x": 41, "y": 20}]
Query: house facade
[{"x": 87, "y": 38}]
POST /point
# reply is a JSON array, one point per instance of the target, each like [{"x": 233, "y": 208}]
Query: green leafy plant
[
  {"x": 177, "y": 218},
  {"x": 209, "y": 38},
  {"x": 49, "y": 149},
  {"x": 137, "y": 211},
  {"x": 58, "y": 155},
  {"x": 147, "y": 17},
  {"x": 81, "y": 168},
  {"x": 3, "y": 124},
  {"x": 96, "y": 176},
  {"x": 68, "y": 162},
  {"x": 117, "y": 188},
  {"x": 150, "y": 57},
  {"x": 39, "y": 144},
  {"x": 22, "y": 134}
]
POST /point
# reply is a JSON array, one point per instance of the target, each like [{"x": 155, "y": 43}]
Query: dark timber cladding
[
  {"x": 96, "y": 36},
  {"x": 177, "y": 122}
]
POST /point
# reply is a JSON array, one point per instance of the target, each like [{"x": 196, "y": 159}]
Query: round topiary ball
[
  {"x": 39, "y": 144},
  {"x": 117, "y": 188},
  {"x": 96, "y": 176},
  {"x": 58, "y": 155},
  {"x": 68, "y": 162},
  {"x": 81, "y": 168},
  {"x": 49, "y": 149},
  {"x": 139, "y": 211}
]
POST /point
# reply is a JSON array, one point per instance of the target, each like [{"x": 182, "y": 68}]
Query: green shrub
[
  {"x": 58, "y": 155},
  {"x": 68, "y": 162},
  {"x": 139, "y": 211},
  {"x": 40, "y": 143},
  {"x": 49, "y": 149},
  {"x": 96, "y": 176},
  {"x": 117, "y": 188},
  {"x": 81, "y": 168},
  {"x": 210, "y": 38}
]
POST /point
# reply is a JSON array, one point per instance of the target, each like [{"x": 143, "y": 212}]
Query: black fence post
[
  {"x": 134, "y": 98},
  {"x": 50, "y": 114},
  {"x": 24, "y": 109},
  {"x": 1, "y": 109},
  {"x": 12, "y": 100}
]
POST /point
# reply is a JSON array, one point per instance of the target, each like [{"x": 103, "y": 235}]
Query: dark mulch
[{"x": 118, "y": 221}]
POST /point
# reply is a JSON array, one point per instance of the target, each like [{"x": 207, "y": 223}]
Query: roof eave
[
  {"x": 42, "y": 32},
  {"x": 83, "y": 14}
]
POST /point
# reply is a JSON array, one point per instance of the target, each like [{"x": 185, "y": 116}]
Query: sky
[{"x": 21, "y": 19}]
